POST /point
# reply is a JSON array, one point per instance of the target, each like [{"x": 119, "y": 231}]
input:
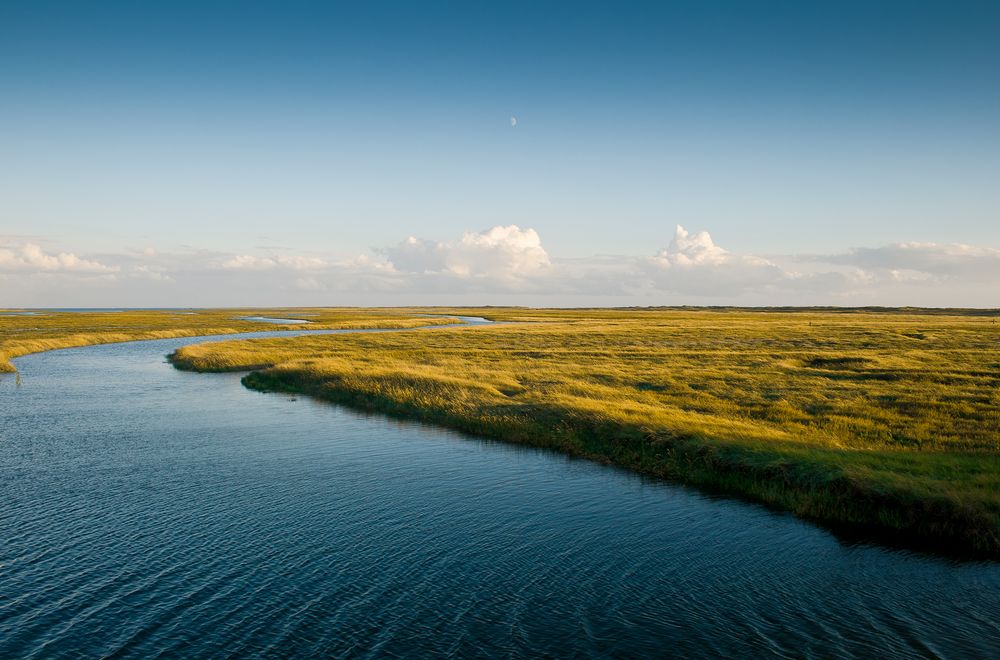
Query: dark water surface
[{"x": 147, "y": 511}]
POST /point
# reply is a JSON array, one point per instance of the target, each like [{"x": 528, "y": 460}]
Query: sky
[{"x": 542, "y": 153}]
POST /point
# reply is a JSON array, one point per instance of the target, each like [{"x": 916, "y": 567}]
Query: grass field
[
  {"x": 44, "y": 330},
  {"x": 886, "y": 421}
]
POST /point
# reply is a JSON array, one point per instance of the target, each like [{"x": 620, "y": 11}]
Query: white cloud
[
  {"x": 148, "y": 273},
  {"x": 506, "y": 265},
  {"x": 366, "y": 263},
  {"x": 291, "y": 262},
  {"x": 502, "y": 253},
  {"x": 695, "y": 265},
  {"x": 28, "y": 258},
  {"x": 686, "y": 250},
  {"x": 925, "y": 261},
  {"x": 248, "y": 262}
]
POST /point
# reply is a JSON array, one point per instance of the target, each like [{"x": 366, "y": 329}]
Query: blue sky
[{"x": 174, "y": 137}]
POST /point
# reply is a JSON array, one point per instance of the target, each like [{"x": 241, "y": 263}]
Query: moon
[{"x": 513, "y": 121}]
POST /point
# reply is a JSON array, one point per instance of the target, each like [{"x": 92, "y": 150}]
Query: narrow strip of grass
[{"x": 46, "y": 330}]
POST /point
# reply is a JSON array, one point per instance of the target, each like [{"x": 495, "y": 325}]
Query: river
[{"x": 147, "y": 510}]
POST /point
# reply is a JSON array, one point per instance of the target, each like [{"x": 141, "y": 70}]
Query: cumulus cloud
[
  {"x": 686, "y": 250},
  {"x": 29, "y": 258},
  {"x": 502, "y": 253},
  {"x": 506, "y": 265},
  {"x": 694, "y": 264}
]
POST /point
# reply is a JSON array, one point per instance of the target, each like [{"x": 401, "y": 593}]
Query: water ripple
[{"x": 151, "y": 512}]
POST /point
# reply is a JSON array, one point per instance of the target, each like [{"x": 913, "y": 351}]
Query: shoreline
[
  {"x": 901, "y": 495},
  {"x": 806, "y": 489},
  {"x": 12, "y": 349},
  {"x": 43, "y": 345}
]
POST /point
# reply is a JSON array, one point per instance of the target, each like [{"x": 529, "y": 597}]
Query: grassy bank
[
  {"x": 882, "y": 421},
  {"x": 45, "y": 330}
]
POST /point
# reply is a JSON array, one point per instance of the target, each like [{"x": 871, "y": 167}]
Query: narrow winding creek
[{"x": 146, "y": 510}]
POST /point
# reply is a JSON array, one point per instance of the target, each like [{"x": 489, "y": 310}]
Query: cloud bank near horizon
[{"x": 503, "y": 265}]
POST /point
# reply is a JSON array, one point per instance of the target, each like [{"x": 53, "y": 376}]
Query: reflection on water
[{"x": 150, "y": 510}]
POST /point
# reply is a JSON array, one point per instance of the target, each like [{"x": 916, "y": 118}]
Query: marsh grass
[
  {"x": 21, "y": 335},
  {"x": 880, "y": 420}
]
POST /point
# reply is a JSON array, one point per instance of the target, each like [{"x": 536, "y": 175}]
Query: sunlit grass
[
  {"x": 889, "y": 420},
  {"x": 48, "y": 330}
]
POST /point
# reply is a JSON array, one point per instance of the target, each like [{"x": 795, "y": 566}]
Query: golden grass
[
  {"x": 20, "y": 335},
  {"x": 885, "y": 420}
]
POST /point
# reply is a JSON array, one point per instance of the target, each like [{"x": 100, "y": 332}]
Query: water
[
  {"x": 147, "y": 510},
  {"x": 268, "y": 319}
]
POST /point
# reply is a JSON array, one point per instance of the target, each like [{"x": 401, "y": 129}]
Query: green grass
[{"x": 887, "y": 421}]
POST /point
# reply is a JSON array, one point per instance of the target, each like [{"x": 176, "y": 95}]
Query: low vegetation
[
  {"x": 44, "y": 330},
  {"x": 882, "y": 420}
]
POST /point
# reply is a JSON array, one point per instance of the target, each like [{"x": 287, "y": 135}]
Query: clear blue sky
[{"x": 783, "y": 128}]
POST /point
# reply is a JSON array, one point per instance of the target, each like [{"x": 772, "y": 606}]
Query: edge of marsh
[
  {"x": 808, "y": 482},
  {"x": 16, "y": 348},
  {"x": 805, "y": 488}
]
